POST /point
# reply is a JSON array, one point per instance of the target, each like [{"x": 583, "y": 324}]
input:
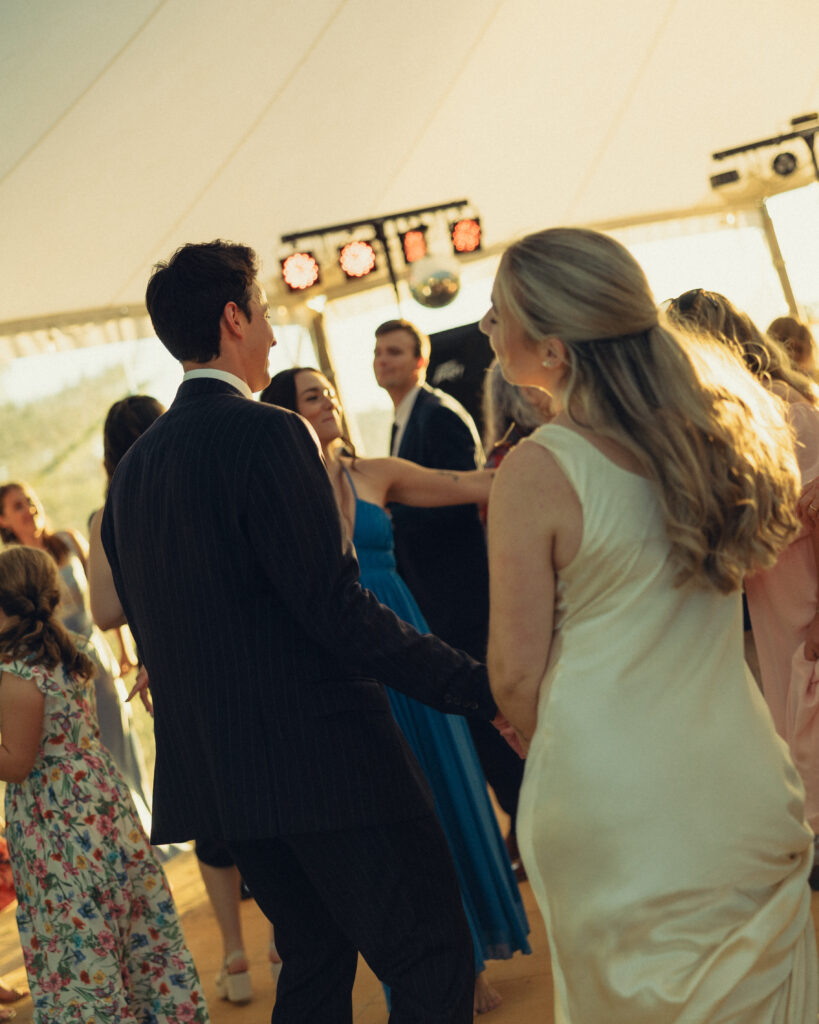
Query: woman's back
[
  {"x": 657, "y": 800},
  {"x": 620, "y": 582}
]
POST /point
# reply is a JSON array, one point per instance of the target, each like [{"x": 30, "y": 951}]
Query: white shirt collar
[
  {"x": 402, "y": 415},
  {"x": 228, "y": 378},
  {"x": 404, "y": 407}
]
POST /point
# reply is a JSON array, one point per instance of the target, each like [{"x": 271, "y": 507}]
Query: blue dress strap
[{"x": 349, "y": 477}]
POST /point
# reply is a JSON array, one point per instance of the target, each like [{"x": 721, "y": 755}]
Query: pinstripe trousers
[{"x": 387, "y": 891}]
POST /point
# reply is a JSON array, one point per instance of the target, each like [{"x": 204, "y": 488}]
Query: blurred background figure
[
  {"x": 797, "y": 339},
  {"x": 126, "y": 420},
  {"x": 783, "y": 601},
  {"x": 440, "y": 553},
  {"x": 510, "y": 413},
  {"x": 23, "y": 521}
]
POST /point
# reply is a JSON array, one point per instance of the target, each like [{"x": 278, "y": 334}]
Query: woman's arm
[
  {"x": 812, "y": 634},
  {"x": 21, "y": 722},
  {"x": 410, "y": 484},
  {"x": 534, "y": 527},
  {"x": 106, "y": 609},
  {"x": 804, "y": 420},
  {"x": 79, "y": 545}
]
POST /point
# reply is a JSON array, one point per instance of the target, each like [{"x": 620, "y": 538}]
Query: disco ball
[{"x": 434, "y": 281}]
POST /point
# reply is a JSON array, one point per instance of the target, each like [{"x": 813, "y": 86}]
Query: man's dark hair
[
  {"x": 422, "y": 345},
  {"x": 187, "y": 294}
]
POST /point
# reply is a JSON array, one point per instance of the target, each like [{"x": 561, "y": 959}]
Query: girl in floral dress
[{"x": 100, "y": 935}]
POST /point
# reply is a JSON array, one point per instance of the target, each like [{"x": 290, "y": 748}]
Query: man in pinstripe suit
[{"x": 272, "y": 732}]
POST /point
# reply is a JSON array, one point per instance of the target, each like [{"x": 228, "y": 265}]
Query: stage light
[
  {"x": 356, "y": 259},
  {"x": 414, "y": 244},
  {"x": 300, "y": 270},
  {"x": 466, "y": 234},
  {"x": 725, "y": 178},
  {"x": 784, "y": 164}
]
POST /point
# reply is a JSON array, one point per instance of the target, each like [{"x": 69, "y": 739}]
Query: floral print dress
[{"x": 101, "y": 938}]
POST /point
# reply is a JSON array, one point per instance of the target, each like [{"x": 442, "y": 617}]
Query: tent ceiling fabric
[{"x": 131, "y": 128}]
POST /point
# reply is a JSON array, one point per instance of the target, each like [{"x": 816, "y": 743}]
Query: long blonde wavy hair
[
  {"x": 768, "y": 360},
  {"x": 713, "y": 439},
  {"x": 29, "y": 595}
]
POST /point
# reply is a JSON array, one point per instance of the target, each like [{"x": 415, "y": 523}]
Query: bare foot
[{"x": 486, "y": 997}]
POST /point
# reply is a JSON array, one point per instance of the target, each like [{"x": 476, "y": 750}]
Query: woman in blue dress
[{"x": 442, "y": 743}]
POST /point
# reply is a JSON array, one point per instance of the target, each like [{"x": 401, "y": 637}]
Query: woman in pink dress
[{"x": 783, "y": 601}]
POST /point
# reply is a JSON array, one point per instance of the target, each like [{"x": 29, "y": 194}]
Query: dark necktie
[{"x": 393, "y": 432}]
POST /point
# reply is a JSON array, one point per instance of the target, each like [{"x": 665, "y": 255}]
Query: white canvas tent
[{"x": 129, "y": 127}]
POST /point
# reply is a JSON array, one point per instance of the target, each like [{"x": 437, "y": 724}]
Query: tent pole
[{"x": 777, "y": 259}]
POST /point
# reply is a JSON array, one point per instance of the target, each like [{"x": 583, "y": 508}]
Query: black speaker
[{"x": 458, "y": 361}]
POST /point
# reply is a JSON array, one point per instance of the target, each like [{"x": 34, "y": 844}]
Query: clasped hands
[{"x": 516, "y": 740}]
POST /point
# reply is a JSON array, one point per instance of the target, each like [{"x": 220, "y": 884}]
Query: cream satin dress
[{"x": 661, "y": 819}]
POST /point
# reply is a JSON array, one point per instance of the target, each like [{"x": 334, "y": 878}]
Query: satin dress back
[{"x": 661, "y": 820}]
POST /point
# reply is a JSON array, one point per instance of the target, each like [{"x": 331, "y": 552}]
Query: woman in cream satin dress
[{"x": 661, "y": 819}]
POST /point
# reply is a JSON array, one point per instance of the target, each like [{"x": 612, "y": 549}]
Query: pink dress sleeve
[{"x": 804, "y": 419}]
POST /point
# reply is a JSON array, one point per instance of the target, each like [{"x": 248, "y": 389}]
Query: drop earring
[{"x": 550, "y": 362}]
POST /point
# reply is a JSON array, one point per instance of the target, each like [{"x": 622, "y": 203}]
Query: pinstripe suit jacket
[{"x": 262, "y": 648}]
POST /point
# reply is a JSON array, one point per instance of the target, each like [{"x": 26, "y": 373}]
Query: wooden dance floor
[{"x": 524, "y": 981}]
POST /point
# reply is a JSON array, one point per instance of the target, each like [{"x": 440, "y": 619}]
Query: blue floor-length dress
[{"x": 444, "y": 749}]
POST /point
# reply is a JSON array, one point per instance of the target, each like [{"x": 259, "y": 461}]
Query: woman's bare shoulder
[{"x": 531, "y": 472}]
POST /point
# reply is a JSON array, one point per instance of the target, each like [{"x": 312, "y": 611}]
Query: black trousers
[{"x": 389, "y": 892}]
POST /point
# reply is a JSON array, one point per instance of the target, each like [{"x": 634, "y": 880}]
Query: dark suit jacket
[
  {"x": 441, "y": 552},
  {"x": 262, "y": 648}
]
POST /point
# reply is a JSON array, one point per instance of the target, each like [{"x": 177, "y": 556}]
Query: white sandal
[{"x": 236, "y": 988}]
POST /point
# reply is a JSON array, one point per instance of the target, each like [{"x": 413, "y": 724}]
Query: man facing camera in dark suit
[
  {"x": 263, "y": 650},
  {"x": 441, "y": 552}
]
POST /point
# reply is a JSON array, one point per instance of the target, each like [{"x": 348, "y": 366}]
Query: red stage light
[
  {"x": 300, "y": 270},
  {"x": 414, "y": 244},
  {"x": 357, "y": 259},
  {"x": 466, "y": 234}
]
